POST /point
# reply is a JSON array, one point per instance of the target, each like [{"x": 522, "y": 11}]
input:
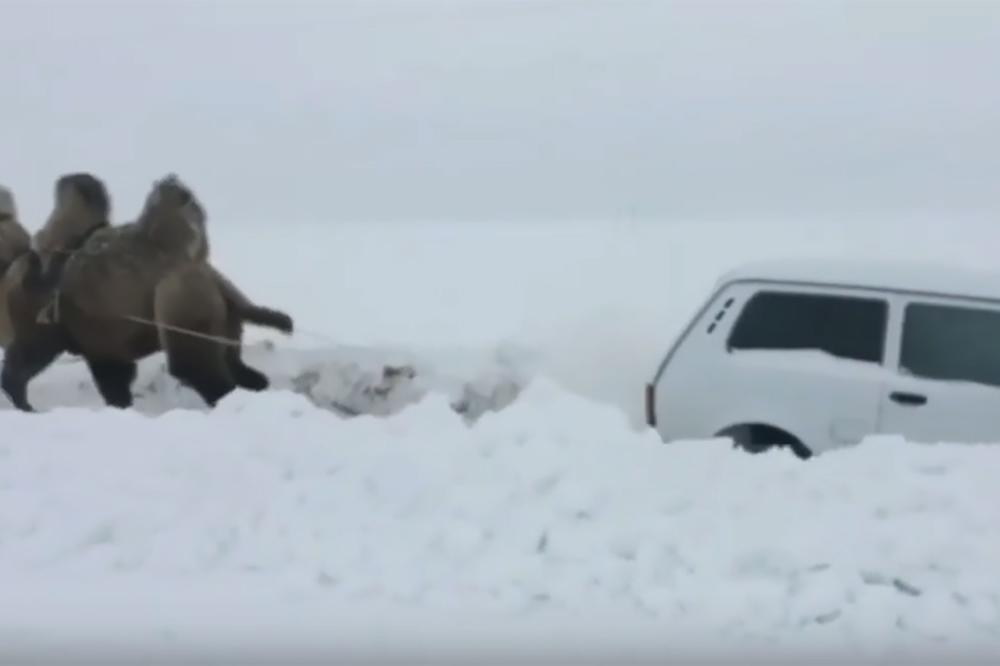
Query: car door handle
[{"x": 904, "y": 398}]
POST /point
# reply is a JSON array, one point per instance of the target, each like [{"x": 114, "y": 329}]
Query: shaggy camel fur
[
  {"x": 81, "y": 207},
  {"x": 129, "y": 288},
  {"x": 14, "y": 242}
]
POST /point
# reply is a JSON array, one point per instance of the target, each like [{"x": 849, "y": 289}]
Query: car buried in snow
[{"x": 813, "y": 356}]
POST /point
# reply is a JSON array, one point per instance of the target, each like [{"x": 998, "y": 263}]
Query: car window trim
[
  {"x": 883, "y": 343},
  {"x": 846, "y": 286}
]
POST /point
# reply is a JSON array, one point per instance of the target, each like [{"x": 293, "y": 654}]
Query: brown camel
[{"x": 134, "y": 289}]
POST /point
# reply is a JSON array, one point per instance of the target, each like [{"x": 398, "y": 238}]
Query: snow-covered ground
[
  {"x": 272, "y": 524},
  {"x": 499, "y": 496},
  {"x": 549, "y": 524}
]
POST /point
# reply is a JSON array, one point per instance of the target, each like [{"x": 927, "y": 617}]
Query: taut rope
[{"x": 187, "y": 331}]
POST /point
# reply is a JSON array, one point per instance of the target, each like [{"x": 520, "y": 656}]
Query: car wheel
[{"x": 759, "y": 437}]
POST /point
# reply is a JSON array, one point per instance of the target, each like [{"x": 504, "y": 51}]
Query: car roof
[{"x": 899, "y": 276}]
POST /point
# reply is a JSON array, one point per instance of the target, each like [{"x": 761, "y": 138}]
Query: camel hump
[
  {"x": 82, "y": 206},
  {"x": 8, "y": 208},
  {"x": 14, "y": 238}
]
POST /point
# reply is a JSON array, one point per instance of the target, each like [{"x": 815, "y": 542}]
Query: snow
[
  {"x": 812, "y": 361},
  {"x": 410, "y": 182},
  {"x": 542, "y": 520},
  {"x": 266, "y": 524},
  {"x": 890, "y": 274},
  {"x": 345, "y": 379}
]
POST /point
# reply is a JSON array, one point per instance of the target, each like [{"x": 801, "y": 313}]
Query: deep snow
[
  {"x": 556, "y": 526},
  {"x": 548, "y": 528}
]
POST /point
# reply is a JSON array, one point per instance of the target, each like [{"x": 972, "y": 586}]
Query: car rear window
[
  {"x": 845, "y": 326},
  {"x": 951, "y": 343}
]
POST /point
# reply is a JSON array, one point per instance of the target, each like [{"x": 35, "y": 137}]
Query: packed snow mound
[
  {"x": 348, "y": 380},
  {"x": 287, "y": 520}
]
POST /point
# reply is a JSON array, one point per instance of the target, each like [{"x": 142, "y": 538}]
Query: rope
[
  {"x": 45, "y": 317},
  {"x": 186, "y": 331},
  {"x": 232, "y": 342}
]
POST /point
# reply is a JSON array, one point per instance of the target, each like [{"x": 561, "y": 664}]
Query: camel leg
[
  {"x": 209, "y": 385},
  {"x": 199, "y": 365},
  {"x": 244, "y": 376},
  {"x": 24, "y": 360},
  {"x": 114, "y": 381}
]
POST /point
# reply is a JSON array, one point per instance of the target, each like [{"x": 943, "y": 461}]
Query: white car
[{"x": 818, "y": 355}]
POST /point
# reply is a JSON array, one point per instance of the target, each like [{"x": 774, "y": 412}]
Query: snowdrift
[
  {"x": 273, "y": 526},
  {"x": 350, "y": 381},
  {"x": 425, "y": 489}
]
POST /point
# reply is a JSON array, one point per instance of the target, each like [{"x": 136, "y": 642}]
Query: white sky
[{"x": 509, "y": 109}]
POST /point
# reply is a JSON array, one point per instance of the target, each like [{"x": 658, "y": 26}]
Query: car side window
[
  {"x": 951, "y": 343},
  {"x": 845, "y": 326}
]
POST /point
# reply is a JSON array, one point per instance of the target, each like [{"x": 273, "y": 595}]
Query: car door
[
  {"x": 946, "y": 387},
  {"x": 808, "y": 360}
]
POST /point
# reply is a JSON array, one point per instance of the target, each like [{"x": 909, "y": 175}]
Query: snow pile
[
  {"x": 348, "y": 380},
  {"x": 548, "y": 527}
]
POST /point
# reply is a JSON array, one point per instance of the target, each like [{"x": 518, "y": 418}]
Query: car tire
[{"x": 760, "y": 437}]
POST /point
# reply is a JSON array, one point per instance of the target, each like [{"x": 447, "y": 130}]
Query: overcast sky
[{"x": 469, "y": 109}]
